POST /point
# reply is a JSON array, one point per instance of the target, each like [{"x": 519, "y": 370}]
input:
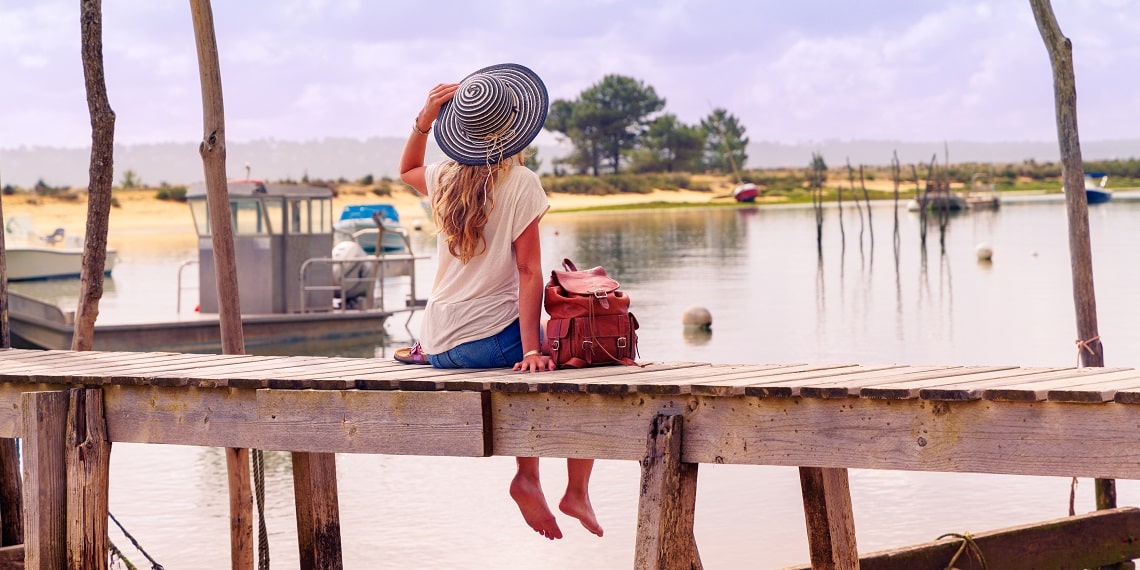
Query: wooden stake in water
[
  {"x": 213, "y": 151},
  {"x": 100, "y": 177},
  {"x": 1090, "y": 351}
]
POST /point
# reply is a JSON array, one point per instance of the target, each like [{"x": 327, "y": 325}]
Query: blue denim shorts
[{"x": 496, "y": 351}]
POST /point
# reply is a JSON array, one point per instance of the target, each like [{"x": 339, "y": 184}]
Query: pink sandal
[{"x": 411, "y": 355}]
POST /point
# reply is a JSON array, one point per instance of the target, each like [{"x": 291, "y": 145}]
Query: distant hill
[{"x": 179, "y": 163}]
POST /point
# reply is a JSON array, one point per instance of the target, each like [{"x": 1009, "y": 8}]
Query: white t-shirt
[{"x": 479, "y": 299}]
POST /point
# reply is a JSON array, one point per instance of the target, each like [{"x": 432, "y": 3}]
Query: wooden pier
[{"x": 68, "y": 406}]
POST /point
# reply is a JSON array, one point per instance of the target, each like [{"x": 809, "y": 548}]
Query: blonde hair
[{"x": 463, "y": 202}]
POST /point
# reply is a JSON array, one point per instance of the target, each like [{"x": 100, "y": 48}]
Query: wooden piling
[
  {"x": 100, "y": 178},
  {"x": 318, "y": 514},
  {"x": 88, "y": 463},
  {"x": 667, "y": 504},
  {"x": 830, "y": 522},
  {"x": 213, "y": 152},
  {"x": 45, "y": 480},
  {"x": 1090, "y": 350}
]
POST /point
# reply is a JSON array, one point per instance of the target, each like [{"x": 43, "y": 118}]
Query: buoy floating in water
[
  {"x": 984, "y": 252},
  {"x": 697, "y": 318}
]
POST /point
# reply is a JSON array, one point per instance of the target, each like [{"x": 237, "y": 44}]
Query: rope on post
[
  {"x": 259, "y": 495},
  {"x": 969, "y": 545},
  {"x": 1085, "y": 345},
  {"x": 153, "y": 564}
]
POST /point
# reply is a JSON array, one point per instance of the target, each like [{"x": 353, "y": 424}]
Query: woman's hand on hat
[{"x": 438, "y": 95}]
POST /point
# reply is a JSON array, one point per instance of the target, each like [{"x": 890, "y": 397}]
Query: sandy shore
[{"x": 139, "y": 212}]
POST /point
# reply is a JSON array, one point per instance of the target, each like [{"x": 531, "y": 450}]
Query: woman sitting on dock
[{"x": 485, "y": 306}]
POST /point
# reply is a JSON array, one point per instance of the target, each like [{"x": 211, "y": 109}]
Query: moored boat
[
  {"x": 1095, "y": 191},
  {"x": 293, "y": 292},
  {"x": 55, "y": 256},
  {"x": 746, "y": 192},
  {"x": 358, "y": 223}
]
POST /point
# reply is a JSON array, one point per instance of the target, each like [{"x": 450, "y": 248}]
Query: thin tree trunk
[
  {"x": 101, "y": 176},
  {"x": 1090, "y": 351},
  {"x": 213, "y": 151}
]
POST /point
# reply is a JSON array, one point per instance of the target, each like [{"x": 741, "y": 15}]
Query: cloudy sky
[{"x": 792, "y": 71}]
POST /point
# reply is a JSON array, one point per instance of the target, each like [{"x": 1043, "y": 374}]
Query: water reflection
[{"x": 776, "y": 297}]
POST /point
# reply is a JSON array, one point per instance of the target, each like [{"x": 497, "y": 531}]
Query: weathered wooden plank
[
  {"x": 682, "y": 380},
  {"x": 667, "y": 502},
  {"x": 904, "y": 390},
  {"x": 915, "y": 435},
  {"x": 971, "y": 387},
  {"x": 1102, "y": 390},
  {"x": 1089, "y": 540},
  {"x": 88, "y": 466},
  {"x": 12, "y": 354},
  {"x": 238, "y": 371},
  {"x": 45, "y": 487},
  {"x": 829, "y": 518},
  {"x": 569, "y": 380},
  {"x": 343, "y": 421},
  {"x": 318, "y": 513},
  {"x": 345, "y": 366},
  {"x": 616, "y": 380},
  {"x": 1039, "y": 390},
  {"x": 1127, "y": 396},
  {"x": 735, "y": 383},
  {"x": 789, "y": 386},
  {"x": 88, "y": 370},
  {"x": 844, "y": 387},
  {"x": 64, "y": 368}
]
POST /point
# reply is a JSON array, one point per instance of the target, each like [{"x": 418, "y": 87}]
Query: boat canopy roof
[
  {"x": 365, "y": 211},
  {"x": 257, "y": 188}
]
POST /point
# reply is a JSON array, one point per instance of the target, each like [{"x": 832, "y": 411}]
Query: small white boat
[
  {"x": 358, "y": 223},
  {"x": 30, "y": 257}
]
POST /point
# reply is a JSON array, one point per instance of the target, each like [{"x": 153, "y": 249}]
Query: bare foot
[
  {"x": 528, "y": 495},
  {"x": 578, "y": 506}
]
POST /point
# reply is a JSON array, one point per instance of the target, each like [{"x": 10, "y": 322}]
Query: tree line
[{"x": 618, "y": 124}]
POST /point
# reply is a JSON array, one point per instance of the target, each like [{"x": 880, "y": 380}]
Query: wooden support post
[
  {"x": 830, "y": 522},
  {"x": 318, "y": 513},
  {"x": 241, "y": 509},
  {"x": 668, "y": 501},
  {"x": 45, "y": 488},
  {"x": 88, "y": 460},
  {"x": 11, "y": 497}
]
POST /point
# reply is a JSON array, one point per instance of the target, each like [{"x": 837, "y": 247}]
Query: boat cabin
[{"x": 276, "y": 227}]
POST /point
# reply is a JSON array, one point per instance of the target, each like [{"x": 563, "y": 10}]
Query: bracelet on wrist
[
  {"x": 416, "y": 127},
  {"x": 532, "y": 353}
]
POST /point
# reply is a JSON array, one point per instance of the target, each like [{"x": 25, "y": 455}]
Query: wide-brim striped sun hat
[{"x": 496, "y": 113}]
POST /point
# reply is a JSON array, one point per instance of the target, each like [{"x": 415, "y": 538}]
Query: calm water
[{"x": 772, "y": 300}]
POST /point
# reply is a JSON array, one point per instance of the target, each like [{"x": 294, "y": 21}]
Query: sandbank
[{"x": 139, "y": 213}]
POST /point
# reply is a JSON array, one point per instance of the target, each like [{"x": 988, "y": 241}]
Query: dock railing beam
[{"x": 665, "y": 510}]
